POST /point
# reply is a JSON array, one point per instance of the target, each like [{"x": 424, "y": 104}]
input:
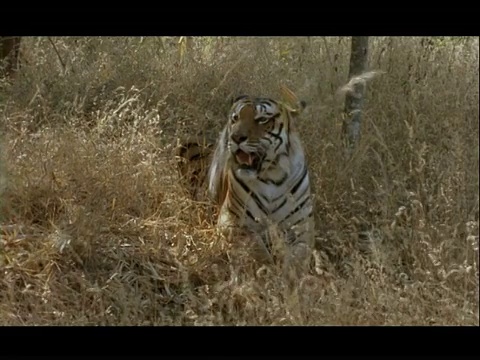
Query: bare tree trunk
[
  {"x": 9, "y": 50},
  {"x": 354, "y": 99}
]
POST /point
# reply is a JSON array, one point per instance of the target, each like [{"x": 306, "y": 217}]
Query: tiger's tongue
[{"x": 244, "y": 158}]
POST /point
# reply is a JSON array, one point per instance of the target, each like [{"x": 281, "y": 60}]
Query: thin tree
[
  {"x": 354, "y": 97},
  {"x": 9, "y": 51}
]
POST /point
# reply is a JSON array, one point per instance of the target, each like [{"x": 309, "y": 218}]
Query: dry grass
[{"x": 95, "y": 228}]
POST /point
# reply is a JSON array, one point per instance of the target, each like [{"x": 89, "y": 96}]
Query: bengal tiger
[{"x": 259, "y": 178}]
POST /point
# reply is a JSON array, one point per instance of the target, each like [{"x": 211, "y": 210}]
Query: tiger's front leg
[{"x": 301, "y": 242}]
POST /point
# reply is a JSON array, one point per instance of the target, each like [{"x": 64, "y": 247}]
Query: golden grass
[{"x": 95, "y": 228}]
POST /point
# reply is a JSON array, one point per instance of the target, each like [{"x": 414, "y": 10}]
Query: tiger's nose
[{"x": 238, "y": 138}]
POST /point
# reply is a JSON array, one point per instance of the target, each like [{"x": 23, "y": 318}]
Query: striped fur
[
  {"x": 194, "y": 155},
  {"x": 259, "y": 176}
]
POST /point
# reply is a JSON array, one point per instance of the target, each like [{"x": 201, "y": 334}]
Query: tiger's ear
[
  {"x": 300, "y": 106},
  {"x": 298, "y": 109},
  {"x": 294, "y": 105}
]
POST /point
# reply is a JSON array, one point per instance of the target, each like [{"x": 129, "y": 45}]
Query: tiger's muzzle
[
  {"x": 247, "y": 160},
  {"x": 247, "y": 156}
]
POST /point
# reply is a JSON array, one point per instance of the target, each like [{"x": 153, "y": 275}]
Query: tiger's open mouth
[{"x": 247, "y": 160}]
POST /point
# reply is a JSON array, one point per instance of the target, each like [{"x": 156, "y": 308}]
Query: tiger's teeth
[{"x": 243, "y": 157}]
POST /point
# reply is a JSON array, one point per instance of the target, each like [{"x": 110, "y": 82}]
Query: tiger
[{"x": 259, "y": 178}]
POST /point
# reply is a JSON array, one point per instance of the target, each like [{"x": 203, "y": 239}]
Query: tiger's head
[{"x": 258, "y": 130}]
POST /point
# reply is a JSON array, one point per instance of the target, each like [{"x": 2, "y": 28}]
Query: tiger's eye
[
  {"x": 234, "y": 117},
  {"x": 263, "y": 120}
]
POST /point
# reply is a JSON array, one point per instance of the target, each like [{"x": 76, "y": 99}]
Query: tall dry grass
[{"x": 95, "y": 228}]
